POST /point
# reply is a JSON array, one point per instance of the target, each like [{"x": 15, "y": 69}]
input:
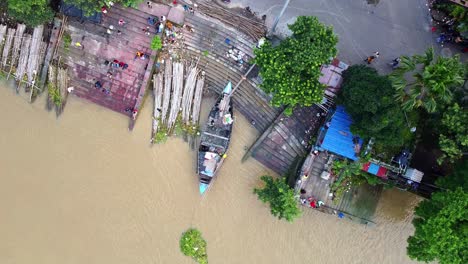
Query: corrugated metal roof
[
  {"x": 338, "y": 138},
  {"x": 414, "y": 175}
]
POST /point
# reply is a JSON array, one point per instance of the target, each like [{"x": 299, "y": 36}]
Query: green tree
[
  {"x": 453, "y": 140},
  {"x": 369, "y": 99},
  {"x": 193, "y": 245},
  {"x": 280, "y": 197},
  {"x": 455, "y": 179},
  {"x": 291, "y": 70},
  {"x": 31, "y": 12},
  {"x": 441, "y": 229},
  {"x": 431, "y": 83},
  {"x": 92, "y": 6}
]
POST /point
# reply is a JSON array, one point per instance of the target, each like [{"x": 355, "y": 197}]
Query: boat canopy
[{"x": 228, "y": 88}]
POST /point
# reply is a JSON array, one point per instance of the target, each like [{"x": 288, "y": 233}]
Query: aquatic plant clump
[
  {"x": 156, "y": 43},
  {"x": 193, "y": 245}
]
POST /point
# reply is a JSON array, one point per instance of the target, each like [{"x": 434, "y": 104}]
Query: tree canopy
[
  {"x": 431, "y": 83},
  {"x": 455, "y": 179},
  {"x": 291, "y": 70},
  {"x": 369, "y": 100},
  {"x": 453, "y": 139},
  {"x": 31, "y": 12},
  {"x": 442, "y": 222},
  {"x": 441, "y": 229},
  {"x": 280, "y": 197}
]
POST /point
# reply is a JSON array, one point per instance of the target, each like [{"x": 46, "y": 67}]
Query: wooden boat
[{"x": 214, "y": 141}]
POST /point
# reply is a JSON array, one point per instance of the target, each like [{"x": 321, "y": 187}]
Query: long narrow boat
[{"x": 214, "y": 141}]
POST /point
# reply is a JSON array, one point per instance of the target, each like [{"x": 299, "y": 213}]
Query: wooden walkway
[
  {"x": 123, "y": 89},
  {"x": 287, "y": 139}
]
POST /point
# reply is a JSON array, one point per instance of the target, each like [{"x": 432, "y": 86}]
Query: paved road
[{"x": 392, "y": 27}]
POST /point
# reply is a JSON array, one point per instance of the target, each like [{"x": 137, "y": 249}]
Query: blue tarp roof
[{"x": 338, "y": 138}]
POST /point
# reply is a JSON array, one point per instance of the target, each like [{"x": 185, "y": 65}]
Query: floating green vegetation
[
  {"x": 181, "y": 128},
  {"x": 161, "y": 135},
  {"x": 156, "y": 43},
  {"x": 67, "y": 40},
  {"x": 54, "y": 94},
  {"x": 193, "y": 245}
]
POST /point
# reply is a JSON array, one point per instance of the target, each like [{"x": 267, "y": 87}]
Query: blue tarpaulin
[{"x": 338, "y": 138}]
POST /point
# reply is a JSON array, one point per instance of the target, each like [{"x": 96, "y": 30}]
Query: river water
[{"x": 82, "y": 189}]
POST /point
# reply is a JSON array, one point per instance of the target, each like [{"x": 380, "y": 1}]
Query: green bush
[
  {"x": 67, "y": 40},
  {"x": 193, "y": 245},
  {"x": 156, "y": 43}
]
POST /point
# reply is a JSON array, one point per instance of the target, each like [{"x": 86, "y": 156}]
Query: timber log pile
[{"x": 252, "y": 27}]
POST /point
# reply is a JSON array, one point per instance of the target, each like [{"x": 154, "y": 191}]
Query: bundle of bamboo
[
  {"x": 23, "y": 58},
  {"x": 3, "y": 29},
  {"x": 7, "y": 46},
  {"x": 177, "y": 87},
  {"x": 187, "y": 98},
  {"x": 17, "y": 44},
  {"x": 198, "y": 99},
  {"x": 167, "y": 89},
  {"x": 34, "y": 54},
  {"x": 158, "y": 95}
]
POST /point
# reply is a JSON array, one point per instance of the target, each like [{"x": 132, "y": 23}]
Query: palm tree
[{"x": 423, "y": 81}]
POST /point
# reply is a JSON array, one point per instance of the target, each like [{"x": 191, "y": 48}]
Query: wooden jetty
[{"x": 358, "y": 204}]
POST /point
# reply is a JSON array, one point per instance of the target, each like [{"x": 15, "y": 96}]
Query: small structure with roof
[{"x": 336, "y": 136}]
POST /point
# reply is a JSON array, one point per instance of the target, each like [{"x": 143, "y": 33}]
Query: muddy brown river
[{"x": 82, "y": 189}]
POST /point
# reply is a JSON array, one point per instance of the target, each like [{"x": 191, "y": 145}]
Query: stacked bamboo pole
[
  {"x": 23, "y": 58},
  {"x": 197, "y": 99},
  {"x": 17, "y": 44},
  {"x": 7, "y": 46},
  {"x": 167, "y": 89},
  {"x": 177, "y": 87},
  {"x": 158, "y": 95},
  {"x": 187, "y": 98},
  {"x": 252, "y": 27},
  {"x": 3, "y": 29},
  {"x": 33, "y": 64}
]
